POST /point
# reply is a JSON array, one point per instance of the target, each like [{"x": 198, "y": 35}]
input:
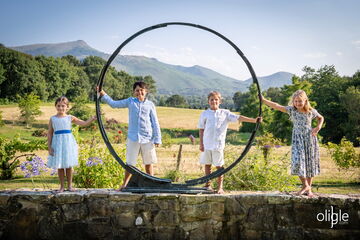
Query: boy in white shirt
[{"x": 212, "y": 126}]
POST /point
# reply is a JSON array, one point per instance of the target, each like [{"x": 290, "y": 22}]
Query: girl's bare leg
[
  {"x": 61, "y": 174},
  {"x": 309, "y": 182},
  {"x": 305, "y": 186},
  {"x": 69, "y": 178}
]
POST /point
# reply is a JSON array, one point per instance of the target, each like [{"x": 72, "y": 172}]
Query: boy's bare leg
[
  {"x": 61, "y": 174},
  {"x": 69, "y": 178},
  {"x": 220, "y": 181},
  {"x": 149, "y": 169},
  {"x": 126, "y": 180},
  {"x": 207, "y": 172}
]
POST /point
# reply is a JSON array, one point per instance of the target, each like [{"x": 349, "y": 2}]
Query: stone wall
[{"x": 103, "y": 214}]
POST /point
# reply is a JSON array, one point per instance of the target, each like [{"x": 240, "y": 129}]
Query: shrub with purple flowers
[
  {"x": 9, "y": 157},
  {"x": 97, "y": 168},
  {"x": 33, "y": 166},
  {"x": 266, "y": 143}
]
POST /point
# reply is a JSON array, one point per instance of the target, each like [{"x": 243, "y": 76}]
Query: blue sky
[{"x": 274, "y": 35}]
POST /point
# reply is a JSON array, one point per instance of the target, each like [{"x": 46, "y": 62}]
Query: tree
[
  {"x": 281, "y": 126},
  {"x": 29, "y": 108},
  {"x": 239, "y": 99},
  {"x": 350, "y": 100},
  {"x": 176, "y": 101},
  {"x": 326, "y": 88}
]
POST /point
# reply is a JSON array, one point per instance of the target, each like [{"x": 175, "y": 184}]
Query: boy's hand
[
  {"x": 157, "y": 145},
  {"x": 102, "y": 92},
  {"x": 201, "y": 147},
  {"x": 259, "y": 119}
]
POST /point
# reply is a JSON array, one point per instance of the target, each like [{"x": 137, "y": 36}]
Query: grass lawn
[{"x": 178, "y": 123}]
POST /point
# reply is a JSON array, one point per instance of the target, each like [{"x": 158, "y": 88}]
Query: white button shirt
[{"x": 215, "y": 124}]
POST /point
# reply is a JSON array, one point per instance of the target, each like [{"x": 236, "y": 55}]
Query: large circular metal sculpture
[{"x": 142, "y": 182}]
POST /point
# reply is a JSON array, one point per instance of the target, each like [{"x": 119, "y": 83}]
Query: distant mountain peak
[{"x": 170, "y": 79}]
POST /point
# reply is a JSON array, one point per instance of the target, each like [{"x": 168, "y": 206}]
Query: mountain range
[{"x": 170, "y": 79}]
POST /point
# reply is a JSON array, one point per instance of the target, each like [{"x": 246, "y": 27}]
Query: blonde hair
[
  {"x": 214, "y": 94},
  {"x": 301, "y": 94},
  {"x": 62, "y": 99}
]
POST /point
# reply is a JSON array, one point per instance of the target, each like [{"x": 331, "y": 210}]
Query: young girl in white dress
[{"x": 62, "y": 147}]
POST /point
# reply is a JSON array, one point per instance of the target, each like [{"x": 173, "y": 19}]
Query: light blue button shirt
[{"x": 143, "y": 122}]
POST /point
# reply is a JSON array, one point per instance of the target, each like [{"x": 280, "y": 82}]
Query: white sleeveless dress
[{"x": 63, "y": 143}]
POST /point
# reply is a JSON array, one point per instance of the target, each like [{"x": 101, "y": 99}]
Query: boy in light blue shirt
[{"x": 143, "y": 131}]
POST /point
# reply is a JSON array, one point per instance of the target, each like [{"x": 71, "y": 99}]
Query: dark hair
[
  {"x": 62, "y": 99},
  {"x": 140, "y": 84}
]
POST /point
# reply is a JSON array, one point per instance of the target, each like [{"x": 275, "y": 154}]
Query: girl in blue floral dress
[
  {"x": 304, "y": 143},
  {"x": 63, "y": 150}
]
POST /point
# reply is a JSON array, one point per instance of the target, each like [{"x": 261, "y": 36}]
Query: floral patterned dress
[{"x": 304, "y": 146}]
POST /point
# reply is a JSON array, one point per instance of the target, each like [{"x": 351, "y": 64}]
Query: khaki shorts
[
  {"x": 147, "y": 150},
  {"x": 214, "y": 157}
]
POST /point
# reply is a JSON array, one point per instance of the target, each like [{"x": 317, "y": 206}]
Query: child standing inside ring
[
  {"x": 62, "y": 147},
  {"x": 144, "y": 130},
  {"x": 304, "y": 143},
  {"x": 212, "y": 126}
]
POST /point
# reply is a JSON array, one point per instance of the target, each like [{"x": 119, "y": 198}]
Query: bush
[
  {"x": 9, "y": 160},
  {"x": 254, "y": 173},
  {"x": 344, "y": 154},
  {"x": 97, "y": 168},
  {"x": 1, "y": 120},
  {"x": 39, "y": 133},
  {"x": 29, "y": 108}
]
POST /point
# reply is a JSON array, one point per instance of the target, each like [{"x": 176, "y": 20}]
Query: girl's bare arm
[
  {"x": 83, "y": 123},
  {"x": 49, "y": 137},
  {"x": 274, "y": 105}
]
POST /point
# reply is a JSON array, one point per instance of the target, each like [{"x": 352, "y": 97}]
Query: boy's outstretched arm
[
  {"x": 273, "y": 105},
  {"x": 250, "y": 120}
]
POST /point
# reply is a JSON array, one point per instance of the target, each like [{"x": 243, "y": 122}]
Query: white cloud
[
  {"x": 315, "y": 55},
  {"x": 338, "y": 53},
  {"x": 356, "y": 43}
]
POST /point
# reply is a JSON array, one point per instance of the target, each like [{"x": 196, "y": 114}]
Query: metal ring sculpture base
[{"x": 141, "y": 182}]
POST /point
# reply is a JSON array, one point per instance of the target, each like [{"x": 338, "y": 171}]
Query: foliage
[
  {"x": 254, "y": 173},
  {"x": 39, "y": 133},
  {"x": 29, "y": 108},
  {"x": 176, "y": 101},
  {"x": 266, "y": 143},
  {"x": 8, "y": 150},
  {"x": 350, "y": 100},
  {"x": 80, "y": 109},
  {"x": 1, "y": 120},
  {"x": 50, "y": 77},
  {"x": 344, "y": 154},
  {"x": 280, "y": 125},
  {"x": 97, "y": 168},
  {"x": 175, "y": 175},
  {"x": 34, "y": 166},
  {"x": 326, "y": 88},
  {"x": 250, "y": 108}
]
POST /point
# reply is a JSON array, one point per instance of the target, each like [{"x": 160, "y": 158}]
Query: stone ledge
[{"x": 108, "y": 214}]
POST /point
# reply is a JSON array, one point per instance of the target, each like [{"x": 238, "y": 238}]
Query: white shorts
[
  {"x": 147, "y": 150},
  {"x": 214, "y": 157}
]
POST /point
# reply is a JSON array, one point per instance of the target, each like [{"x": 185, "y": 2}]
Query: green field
[{"x": 179, "y": 122}]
